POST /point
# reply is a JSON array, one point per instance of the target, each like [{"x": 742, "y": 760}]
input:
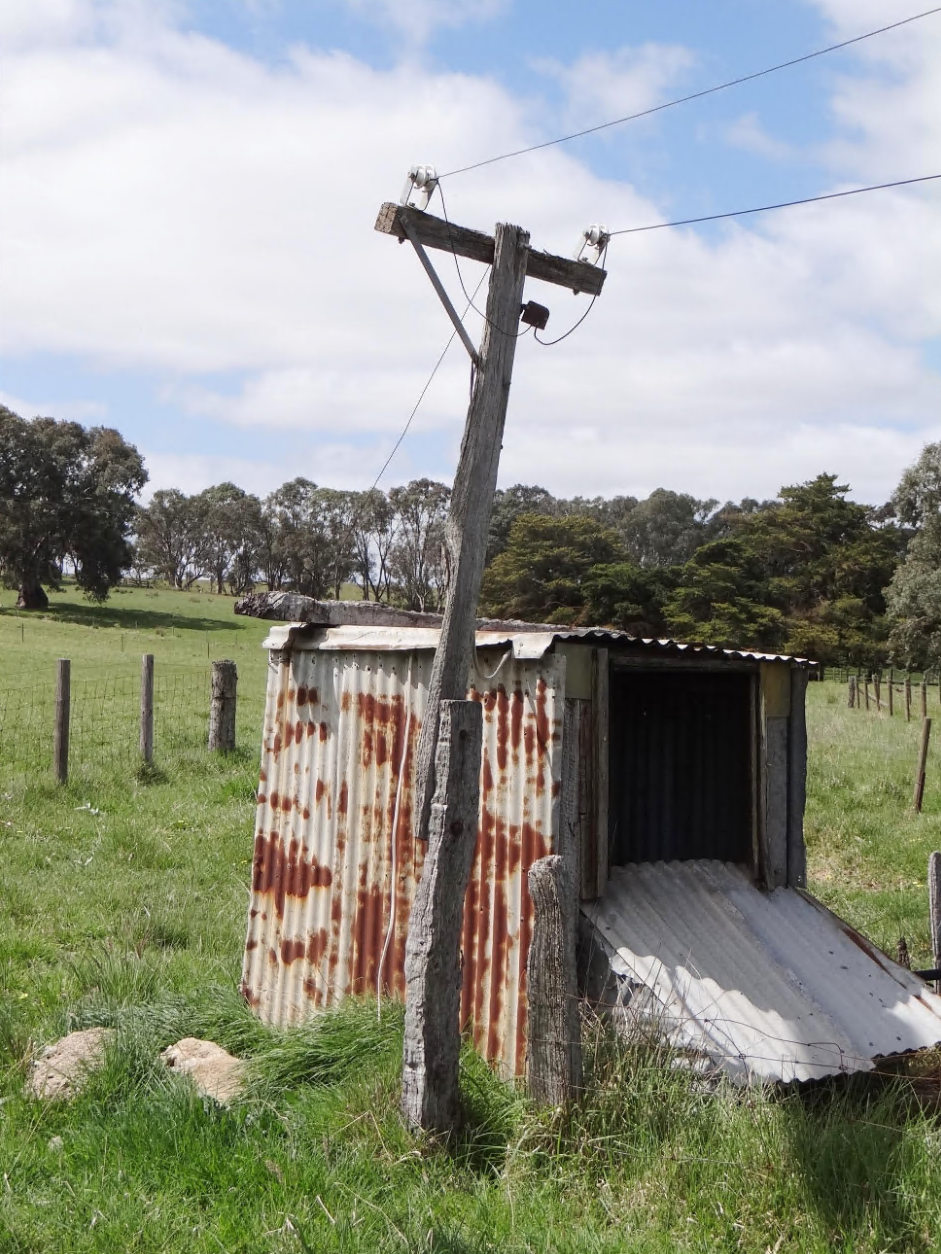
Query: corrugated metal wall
[{"x": 339, "y": 727}]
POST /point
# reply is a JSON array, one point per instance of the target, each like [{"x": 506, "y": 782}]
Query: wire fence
[
  {"x": 843, "y": 673},
  {"x": 104, "y": 724}
]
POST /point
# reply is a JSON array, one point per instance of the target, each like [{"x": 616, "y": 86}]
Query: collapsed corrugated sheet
[
  {"x": 524, "y": 644},
  {"x": 766, "y": 985},
  {"x": 332, "y": 890}
]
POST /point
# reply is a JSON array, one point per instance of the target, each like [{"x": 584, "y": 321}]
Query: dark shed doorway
[{"x": 680, "y": 766}]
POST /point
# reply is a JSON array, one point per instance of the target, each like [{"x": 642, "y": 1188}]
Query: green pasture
[
  {"x": 185, "y": 632},
  {"x": 123, "y": 900}
]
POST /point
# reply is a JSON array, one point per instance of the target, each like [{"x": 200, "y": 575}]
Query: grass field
[{"x": 123, "y": 900}]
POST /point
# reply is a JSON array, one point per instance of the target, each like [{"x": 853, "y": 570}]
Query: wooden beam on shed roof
[
  {"x": 434, "y": 232},
  {"x": 292, "y": 607}
]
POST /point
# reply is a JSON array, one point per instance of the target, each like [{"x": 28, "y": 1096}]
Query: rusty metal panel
[
  {"x": 331, "y": 892},
  {"x": 768, "y": 986}
]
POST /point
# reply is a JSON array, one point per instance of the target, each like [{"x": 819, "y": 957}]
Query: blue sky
[{"x": 186, "y": 235}]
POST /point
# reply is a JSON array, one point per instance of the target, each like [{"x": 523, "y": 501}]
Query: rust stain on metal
[
  {"x": 282, "y": 873},
  {"x": 291, "y": 950},
  {"x": 316, "y": 945},
  {"x": 323, "y": 868}
]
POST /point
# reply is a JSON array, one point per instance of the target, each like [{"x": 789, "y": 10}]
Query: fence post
[
  {"x": 222, "y": 707},
  {"x": 922, "y": 764},
  {"x": 891, "y": 692},
  {"x": 147, "y": 707},
  {"x": 60, "y": 753},
  {"x": 877, "y": 684},
  {"x": 866, "y": 689},
  {"x": 553, "y": 1046},
  {"x": 924, "y": 698},
  {"x": 908, "y": 697},
  {"x": 851, "y": 689},
  {"x": 432, "y": 1046},
  {"x": 934, "y": 910}
]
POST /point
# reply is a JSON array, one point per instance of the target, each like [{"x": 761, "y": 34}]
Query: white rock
[
  {"x": 63, "y": 1067},
  {"x": 214, "y": 1071}
]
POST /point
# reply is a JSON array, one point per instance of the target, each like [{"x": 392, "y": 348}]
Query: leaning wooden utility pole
[{"x": 430, "y": 970}]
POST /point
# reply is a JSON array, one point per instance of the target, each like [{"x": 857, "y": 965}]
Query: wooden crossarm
[{"x": 434, "y": 232}]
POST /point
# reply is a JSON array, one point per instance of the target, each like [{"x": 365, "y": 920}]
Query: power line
[
  {"x": 784, "y": 204},
  {"x": 421, "y": 397},
  {"x": 358, "y": 511},
  {"x": 510, "y": 335},
  {"x": 696, "y": 95},
  {"x": 576, "y": 325}
]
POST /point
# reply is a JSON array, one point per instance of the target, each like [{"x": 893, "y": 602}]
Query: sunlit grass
[
  {"x": 867, "y": 849},
  {"x": 123, "y": 901}
]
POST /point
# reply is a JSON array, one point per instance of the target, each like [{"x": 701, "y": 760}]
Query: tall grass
[
  {"x": 122, "y": 904},
  {"x": 867, "y": 849}
]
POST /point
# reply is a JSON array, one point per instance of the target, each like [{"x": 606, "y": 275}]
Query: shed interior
[
  {"x": 680, "y": 766},
  {"x": 684, "y": 757}
]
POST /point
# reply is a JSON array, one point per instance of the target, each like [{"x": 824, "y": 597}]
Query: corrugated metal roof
[
  {"x": 525, "y": 644},
  {"x": 767, "y": 985},
  {"x": 337, "y": 776}
]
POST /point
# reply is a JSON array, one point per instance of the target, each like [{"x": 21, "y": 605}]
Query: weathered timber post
[
  {"x": 851, "y": 691},
  {"x": 877, "y": 683},
  {"x": 147, "y": 707},
  {"x": 430, "y": 1096},
  {"x": 60, "y": 748},
  {"x": 922, "y": 765},
  {"x": 553, "y": 1046},
  {"x": 429, "y": 1084},
  {"x": 222, "y": 707},
  {"x": 891, "y": 693},
  {"x": 475, "y": 482},
  {"x": 468, "y": 524},
  {"x": 924, "y": 698},
  {"x": 934, "y": 910},
  {"x": 866, "y": 689},
  {"x": 908, "y": 697}
]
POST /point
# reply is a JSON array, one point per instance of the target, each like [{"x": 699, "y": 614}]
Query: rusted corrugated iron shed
[
  {"x": 336, "y": 865},
  {"x": 765, "y": 985}
]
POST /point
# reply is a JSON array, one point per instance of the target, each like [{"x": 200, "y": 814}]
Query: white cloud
[
  {"x": 86, "y": 412},
  {"x": 417, "y": 20},
  {"x": 52, "y": 21},
  {"x": 175, "y": 207},
  {"x": 746, "y": 132},
  {"x": 888, "y": 98},
  {"x": 603, "y": 85}
]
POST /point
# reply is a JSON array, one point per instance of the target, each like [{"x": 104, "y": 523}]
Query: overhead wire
[
  {"x": 510, "y": 335},
  {"x": 696, "y": 95},
  {"x": 783, "y": 204},
  {"x": 576, "y": 325},
  {"x": 735, "y": 213},
  {"x": 421, "y": 396},
  {"x": 358, "y": 511}
]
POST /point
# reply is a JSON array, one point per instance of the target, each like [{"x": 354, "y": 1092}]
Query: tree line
[{"x": 810, "y": 571}]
